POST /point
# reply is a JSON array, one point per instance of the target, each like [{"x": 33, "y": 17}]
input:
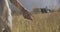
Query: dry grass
[{"x": 47, "y": 22}]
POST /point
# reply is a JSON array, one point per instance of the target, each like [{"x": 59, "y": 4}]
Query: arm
[
  {"x": 17, "y": 4},
  {"x": 25, "y": 13}
]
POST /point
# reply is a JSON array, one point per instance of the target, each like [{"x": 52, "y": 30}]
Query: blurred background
[
  {"x": 31, "y": 4},
  {"x": 42, "y": 22}
]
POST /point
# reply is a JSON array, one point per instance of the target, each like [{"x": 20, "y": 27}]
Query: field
[{"x": 42, "y": 22}]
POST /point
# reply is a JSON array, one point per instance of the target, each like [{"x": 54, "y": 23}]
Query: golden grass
[{"x": 46, "y": 22}]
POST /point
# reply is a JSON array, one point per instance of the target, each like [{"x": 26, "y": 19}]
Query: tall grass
[{"x": 46, "y": 22}]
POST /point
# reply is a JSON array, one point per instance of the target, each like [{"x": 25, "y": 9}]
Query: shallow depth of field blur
[{"x": 42, "y": 22}]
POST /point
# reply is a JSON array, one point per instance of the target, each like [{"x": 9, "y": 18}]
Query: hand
[{"x": 27, "y": 15}]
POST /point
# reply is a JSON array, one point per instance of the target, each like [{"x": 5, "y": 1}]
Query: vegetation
[{"x": 46, "y": 22}]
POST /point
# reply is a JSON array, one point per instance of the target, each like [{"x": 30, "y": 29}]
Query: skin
[
  {"x": 26, "y": 14},
  {"x": 3, "y": 13}
]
